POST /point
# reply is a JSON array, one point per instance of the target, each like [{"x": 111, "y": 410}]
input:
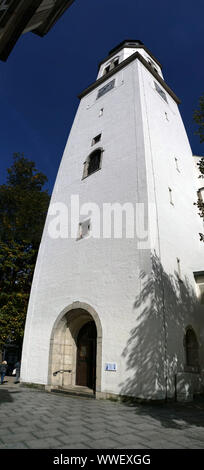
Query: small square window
[{"x": 96, "y": 139}]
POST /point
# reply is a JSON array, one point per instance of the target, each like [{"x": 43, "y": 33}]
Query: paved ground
[{"x": 32, "y": 419}]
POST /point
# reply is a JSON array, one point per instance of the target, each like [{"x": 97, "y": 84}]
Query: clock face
[{"x": 106, "y": 88}]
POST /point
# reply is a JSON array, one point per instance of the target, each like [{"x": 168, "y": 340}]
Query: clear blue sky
[{"x": 41, "y": 79}]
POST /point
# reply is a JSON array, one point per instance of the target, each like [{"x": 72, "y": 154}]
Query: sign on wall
[{"x": 111, "y": 366}]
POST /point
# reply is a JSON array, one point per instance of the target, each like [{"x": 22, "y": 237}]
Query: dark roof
[{"x": 132, "y": 42}]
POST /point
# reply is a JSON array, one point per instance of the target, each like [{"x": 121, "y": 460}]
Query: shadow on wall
[{"x": 155, "y": 357}]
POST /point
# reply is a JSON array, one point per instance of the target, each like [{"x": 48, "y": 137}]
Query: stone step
[{"x": 80, "y": 392}]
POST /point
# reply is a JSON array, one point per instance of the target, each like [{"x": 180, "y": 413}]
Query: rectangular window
[
  {"x": 170, "y": 197},
  {"x": 201, "y": 195},
  {"x": 107, "y": 69},
  {"x": 177, "y": 165},
  {"x": 179, "y": 267},
  {"x": 106, "y": 88},
  {"x": 96, "y": 139},
  {"x": 84, "y": 229},
  {"x": 199, "y": 279},
  {"x": 160, "y": 91}
]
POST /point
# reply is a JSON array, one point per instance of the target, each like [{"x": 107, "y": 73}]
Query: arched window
[
  {"x": 201, "y": 195},
  {"x": 111, "y": 65},
  {"x": 93, "y": 163},
  {"x": 191, "y": 349}
]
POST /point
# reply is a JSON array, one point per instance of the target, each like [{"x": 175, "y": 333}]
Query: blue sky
[{"x": 41, "y": 79}]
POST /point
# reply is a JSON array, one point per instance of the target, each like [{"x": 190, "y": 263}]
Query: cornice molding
[{"x": 123, "y": 64}]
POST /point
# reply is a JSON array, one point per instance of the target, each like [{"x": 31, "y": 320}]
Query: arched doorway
[
  {"x": 77, "y": 326},
  {"x": 86, "y": 356}
]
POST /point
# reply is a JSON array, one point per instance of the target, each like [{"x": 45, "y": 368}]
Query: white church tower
[{"x": 116, "y": 306}]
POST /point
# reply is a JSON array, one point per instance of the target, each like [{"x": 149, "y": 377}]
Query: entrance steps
[{"x": 75, "y": 391}]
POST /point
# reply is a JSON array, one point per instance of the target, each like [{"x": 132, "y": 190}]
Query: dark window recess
[
  {"x": 199, "y": 278},
  {"x": 160, "y": 91},
  {"x": 106, "y": 88},
  {"x": 96, "y": 139},
  {"x": 115, "y": 63},
  {"x": 191, "y": 343},
  {"x": 107, "y": 69},
  {"x": 111, "y": 66},
  {"x": 152, "y": 65},
  {"x": 94, "y": 162}
]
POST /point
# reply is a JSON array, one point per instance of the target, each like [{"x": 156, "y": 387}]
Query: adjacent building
[{"x": 20, "y": 16}]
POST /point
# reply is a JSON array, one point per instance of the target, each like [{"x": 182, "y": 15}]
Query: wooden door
[{"x": 86, "y": 356}]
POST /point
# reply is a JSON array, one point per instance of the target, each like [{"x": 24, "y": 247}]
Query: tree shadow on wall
[{"x": 155, "y": 350}]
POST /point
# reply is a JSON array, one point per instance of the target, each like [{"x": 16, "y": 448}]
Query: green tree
[
  {"x": 199, "y": 120},
  {"x": 23, "y": 208}
]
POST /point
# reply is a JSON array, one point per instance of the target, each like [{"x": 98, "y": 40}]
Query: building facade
[
  {"x": 21, "y": 16},
  {"x": 116, "y": 302}
]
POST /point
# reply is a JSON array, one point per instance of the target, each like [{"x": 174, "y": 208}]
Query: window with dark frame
[
  {"x": 161, "y": 92},
  {"x": 191, "y": 349},
  {"x": 199, "y": 279},
  {"x": 84, "y": 229},
  {"x": 105, "y": 88},
  {"x": 93, "y": 163},
  {"x": 152, "y": 65},
  {"x": 111, "y": 66},
  {"x": 96, "y": 139}
]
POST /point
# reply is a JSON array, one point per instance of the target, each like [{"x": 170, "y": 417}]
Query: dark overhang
[
  {"x": 54, "y": 15},
  {"x": 131, "y": 44},
  {"x": 123, "y": 64},
  {"x": 128, "y": 43},
  {"x": 16, "y": 16}
]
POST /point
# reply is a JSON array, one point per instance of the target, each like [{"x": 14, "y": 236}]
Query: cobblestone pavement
[{"x": 32, "y": 419}]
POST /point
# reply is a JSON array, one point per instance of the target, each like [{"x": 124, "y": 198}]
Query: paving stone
[
  {"x": 17, "y": 445},
  {"x": 20, "y": 437},
  {"x": 103, "y": 444},
  {"x": 48, "y": 443},
  {"x": 35, "y": 419}
]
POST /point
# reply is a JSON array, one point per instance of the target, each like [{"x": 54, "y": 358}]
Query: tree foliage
[
  {"x": 200, "y": 201},
  {"x": 199, "y": 120},
  {"x": 23, "y": 208}
]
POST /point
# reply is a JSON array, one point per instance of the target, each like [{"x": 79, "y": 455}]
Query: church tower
[{"x": 115, "y": 306}]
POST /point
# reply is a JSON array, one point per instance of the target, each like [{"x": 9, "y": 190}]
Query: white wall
[{"x": 113, "y": 275}]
